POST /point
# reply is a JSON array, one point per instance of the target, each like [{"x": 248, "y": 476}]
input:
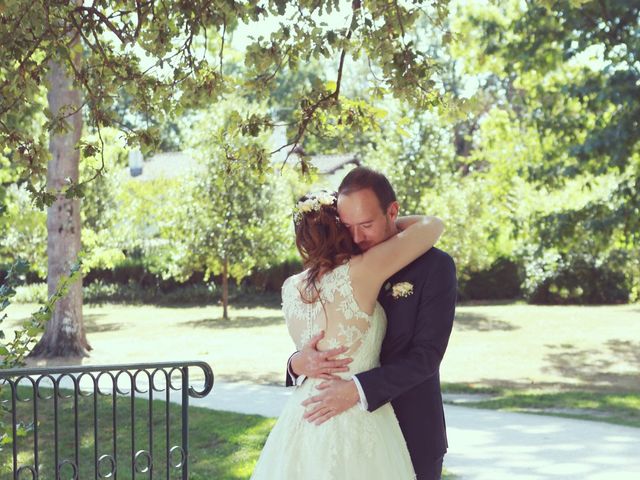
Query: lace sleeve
[{"x": 300, "y": 317}]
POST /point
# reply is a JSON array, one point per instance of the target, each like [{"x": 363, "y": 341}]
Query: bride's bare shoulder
[{"x": 355, "y": 264}]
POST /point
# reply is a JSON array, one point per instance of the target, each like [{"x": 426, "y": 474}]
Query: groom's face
[{"x": 367, "y": 222}]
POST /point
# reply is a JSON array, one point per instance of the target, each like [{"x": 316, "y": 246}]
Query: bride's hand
[{"x": 313, "y": 363}]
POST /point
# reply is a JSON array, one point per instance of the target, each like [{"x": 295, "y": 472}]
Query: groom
[{"x": 419, "y": 302}]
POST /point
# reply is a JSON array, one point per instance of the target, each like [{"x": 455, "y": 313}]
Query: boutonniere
[{"x": 400, "y": 290}]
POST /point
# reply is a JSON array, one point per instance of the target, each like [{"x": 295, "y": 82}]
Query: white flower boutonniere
[{"x": 401, "y": 290}]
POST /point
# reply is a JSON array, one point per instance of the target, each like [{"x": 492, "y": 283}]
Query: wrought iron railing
[{"x": 67, "y": 391}]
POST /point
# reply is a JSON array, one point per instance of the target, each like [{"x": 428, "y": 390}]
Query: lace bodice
[{"x": 338, "y": 314}]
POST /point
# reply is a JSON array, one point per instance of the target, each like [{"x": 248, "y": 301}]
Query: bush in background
[
  {"x": 271, "y": 279},
  {"x": 31, "y": 293},
  {"x": 100, "y": 292},
  {"x": 576, "y": 279},
  {"x": 501, "y": 281}
]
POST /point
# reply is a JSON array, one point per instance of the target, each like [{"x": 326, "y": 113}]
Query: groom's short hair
[{"x": 363, "y": 177}]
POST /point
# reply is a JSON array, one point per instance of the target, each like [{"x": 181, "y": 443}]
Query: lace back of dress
[{"x": 336, "y": 312}]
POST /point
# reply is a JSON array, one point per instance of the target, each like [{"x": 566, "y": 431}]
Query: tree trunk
[
  {"x": 65, "y": 334},
  {"x": 225, "y": 289}
]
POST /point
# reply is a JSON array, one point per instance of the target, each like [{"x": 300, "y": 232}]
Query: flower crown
[{"x": 313, "y": 202}]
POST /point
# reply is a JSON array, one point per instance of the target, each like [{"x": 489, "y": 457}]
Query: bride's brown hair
[{"x": 322, "y": 240}]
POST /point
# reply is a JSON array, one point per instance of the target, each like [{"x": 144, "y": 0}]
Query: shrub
[
  {"x": 100, "y": 292},
  {"x": 29, "y": 276},
  {"x": 126, "y": 271},
  {"x": 271, "y": 279},
  {"x": 31, "y": 293},
  {"x": 580, "y": 279},
  {"x": 501, "y": 281}
]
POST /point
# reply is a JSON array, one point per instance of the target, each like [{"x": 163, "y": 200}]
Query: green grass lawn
[
  {"x": 618, "y": 408},
  {"x": 222, "y": 445},
  {"x": 581, "y": 361}
]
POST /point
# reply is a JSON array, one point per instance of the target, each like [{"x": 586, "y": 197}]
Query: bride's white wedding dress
[{"x": 355, "y": 444}]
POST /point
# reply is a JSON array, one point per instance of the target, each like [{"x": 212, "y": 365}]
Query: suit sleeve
[
  {"x": 290, "y": 376},
  {"x": 421, "y": 360}
]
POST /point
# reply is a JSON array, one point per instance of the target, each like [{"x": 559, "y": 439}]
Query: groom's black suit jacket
[{"x": 418, "y": 329}]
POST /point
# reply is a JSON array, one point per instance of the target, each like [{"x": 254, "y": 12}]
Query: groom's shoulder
[
  {"x": 434, "y": 257},
  {"x": 435, "y": 261},
  {"x": 435, "y": 265}
]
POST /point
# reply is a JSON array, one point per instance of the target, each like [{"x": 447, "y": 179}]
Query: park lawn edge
[{"x": 618, "y": 408}]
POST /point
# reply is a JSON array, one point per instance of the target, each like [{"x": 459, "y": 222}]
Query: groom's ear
[{"x": 392, "y": 210}]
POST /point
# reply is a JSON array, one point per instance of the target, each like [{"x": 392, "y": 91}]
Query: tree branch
[
  {"x": 399, "y": 17},
  {"x": 92, "y": 10},
  {"x": 38, "y": 41},
  {"x": 275, "y": 72},
  {"x": 136, "y": 33},
  {"x": 309, "y": 112},
  {"x": 99, "y": 171},
  {"x": 224, "y": 32}
]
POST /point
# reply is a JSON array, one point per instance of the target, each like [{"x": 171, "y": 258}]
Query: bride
[{"x": 337, "y": 294}]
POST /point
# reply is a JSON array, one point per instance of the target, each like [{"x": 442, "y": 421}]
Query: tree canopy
[{"x": 169, "y": 56}]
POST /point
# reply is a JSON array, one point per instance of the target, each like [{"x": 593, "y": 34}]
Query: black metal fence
[{"x": 114, "y": 440}]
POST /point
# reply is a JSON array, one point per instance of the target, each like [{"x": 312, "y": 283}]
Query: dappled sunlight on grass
[
  {"x": 494, "y": 349},
  {"x": 514, "y": 345},
  {"x": 631, "y": 402},
  {"x": 551, "y": 347},
  {"x": 481, "y": 323},
  {"x": 614, "y": 364}
]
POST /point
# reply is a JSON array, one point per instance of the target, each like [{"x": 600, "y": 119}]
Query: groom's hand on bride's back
[{"x": 313, "y": 363}]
